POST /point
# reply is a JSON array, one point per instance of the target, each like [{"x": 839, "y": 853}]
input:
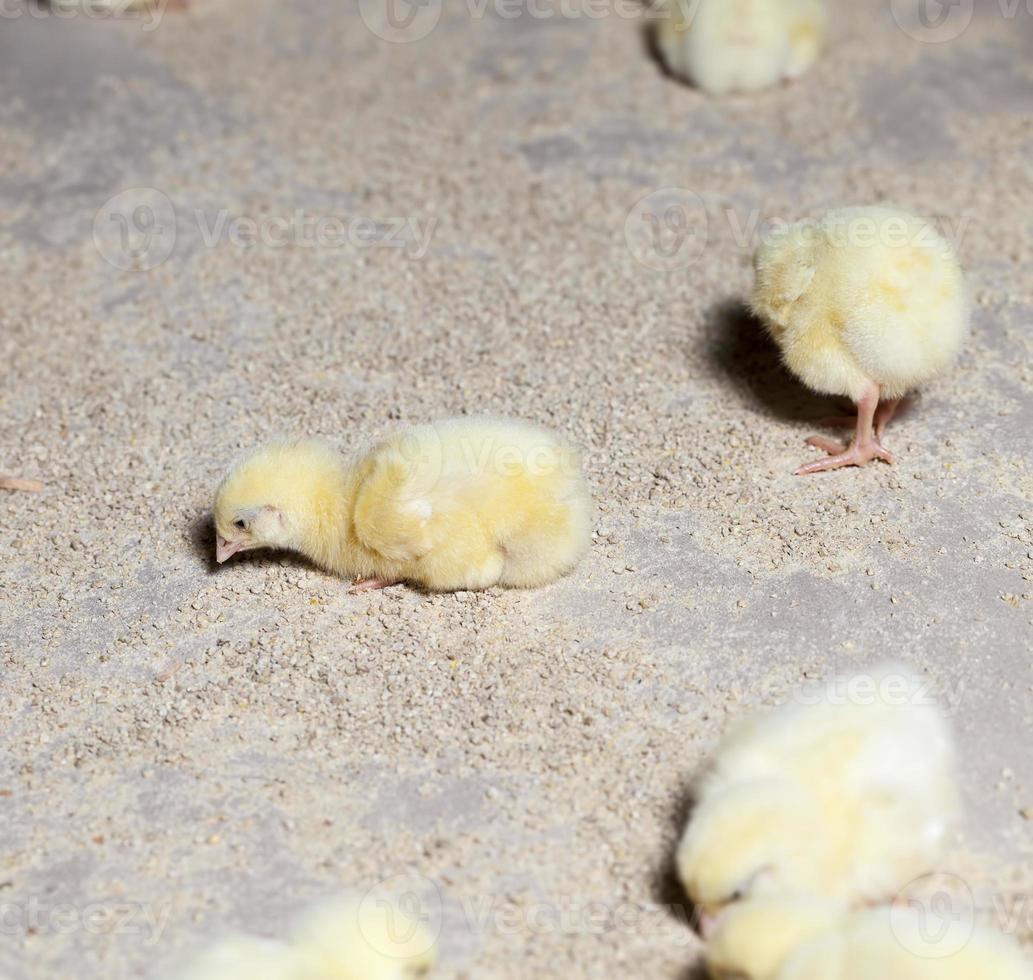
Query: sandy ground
[{"x": 188, "y": 748}]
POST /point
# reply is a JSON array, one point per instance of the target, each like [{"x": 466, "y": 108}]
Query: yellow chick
[
  {"x": 372, "y": 940},
  {"x": 847, "y": 792},
  {"x": 726, "y": 46},
  {"x": 867, "y": 303},
  {"x": 456, "y": 504},
  {"x": 341, "y": 939},
  {"x": 804, "y": 939},
  {"x": 244, "y": 958},
  {"x": 17, "y": 483}
]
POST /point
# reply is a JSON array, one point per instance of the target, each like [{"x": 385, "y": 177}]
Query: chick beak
[
  {"x": 706, "y": 923},
  {"x": 225, "y": 549}
]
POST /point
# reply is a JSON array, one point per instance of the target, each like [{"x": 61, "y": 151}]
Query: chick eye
[{"x": 240, "y": 523}]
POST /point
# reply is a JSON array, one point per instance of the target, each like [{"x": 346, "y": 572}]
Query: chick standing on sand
[
  {"x": 848, "y": 794},
  {"x": 806, "y": 939},
  {"x": 726, "y": 46},
  {"x": 340, "y": 939},
  {"x": 867, "y": 303},
  {"x": 456, "y": 504}
]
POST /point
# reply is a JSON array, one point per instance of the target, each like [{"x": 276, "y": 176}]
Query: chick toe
[
  {"x": 371, "y": 585},
  {"x": 858, "y": 453}
]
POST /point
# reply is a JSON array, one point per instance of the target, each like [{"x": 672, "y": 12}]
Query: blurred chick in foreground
[
  {"x": 339, "y": 940},
  {"x": 726, "y": 46},
  {"x": 456, "y": 504},
  {"x": 868, "y": 303},
  {"x": 846, "y": 792},
  {"x": 803, "y": 939}
]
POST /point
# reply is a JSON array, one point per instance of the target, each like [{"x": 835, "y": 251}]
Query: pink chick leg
[
  {"x": 865, "y": 445},
  {"x": 370, "y": 585}
]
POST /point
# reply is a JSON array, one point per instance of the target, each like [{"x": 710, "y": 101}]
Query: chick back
[
  {"x": 470, "y": 503},
  {"x": 865, "y": 294}
]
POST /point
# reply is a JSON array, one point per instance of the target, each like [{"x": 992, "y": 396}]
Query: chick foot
[
  {"x": 370, "y": 585},
  {"x": 884, "y": 414},
  {"x": 858, "y": 453}
]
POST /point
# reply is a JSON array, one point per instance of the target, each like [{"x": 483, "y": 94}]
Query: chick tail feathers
[
  {"x": 909, "y": 316},
  {"x": 557, "y": 542}
]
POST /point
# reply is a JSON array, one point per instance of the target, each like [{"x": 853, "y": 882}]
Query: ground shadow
[
  {"x": 666, "y": 886},
  {"x": 695, "y": 972},
  {"x": 202, "y": 539},
  {"x": 737, "y": 343},
  {"x": 649, "y": 36},
  {"x": 202, "y": 542}
]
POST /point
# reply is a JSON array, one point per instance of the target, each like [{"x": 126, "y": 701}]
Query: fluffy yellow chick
[
  {"x": 809, "y": 940},
  {"x": 868, "y": 303},
  {"x": 244, "y": 958},
  {"x": 847, "y": 792},
  {"x": 456, "y": 504},
  {"x": 739, "y": 45},
  {"x": 17, "y": 483},
  {"x": 341, "y": 939},
  {"x": 374, "y": 940}
]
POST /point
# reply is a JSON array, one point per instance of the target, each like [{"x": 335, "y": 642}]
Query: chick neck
[{"x": 319, "y": 511}]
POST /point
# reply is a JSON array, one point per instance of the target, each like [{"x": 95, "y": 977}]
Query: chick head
[
  {"x": 785, "y": 264},
  {"x": 268, "y": 496},
  {"x": 756, "y": 937},
  {"x": 748, "y": 841}
]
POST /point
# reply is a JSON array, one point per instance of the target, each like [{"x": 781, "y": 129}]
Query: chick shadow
[
  {"x": 666, "y": 887},
  {"x": 202, "y": 543},
  {"x": 740, "y": 348},
  {"x": 649, "y": 36}
]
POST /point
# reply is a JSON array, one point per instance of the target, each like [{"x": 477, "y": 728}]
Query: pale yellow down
[
  {"x": 844, "y": 797},
  {"x": 726, "y": 46},
  {"x": 456, "y": 504},
  {"x": 341, "y": 939},
  {"x": 866, "y": 294},
  {"x": 804, "y": 939}
]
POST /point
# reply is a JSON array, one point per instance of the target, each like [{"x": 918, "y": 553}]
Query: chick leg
[
  {"x": 370, "y": 585},
  {"x": 17, "y": 483},
  {"x": 865, "y": 445},
  {"x": 884, "y": 415}
]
